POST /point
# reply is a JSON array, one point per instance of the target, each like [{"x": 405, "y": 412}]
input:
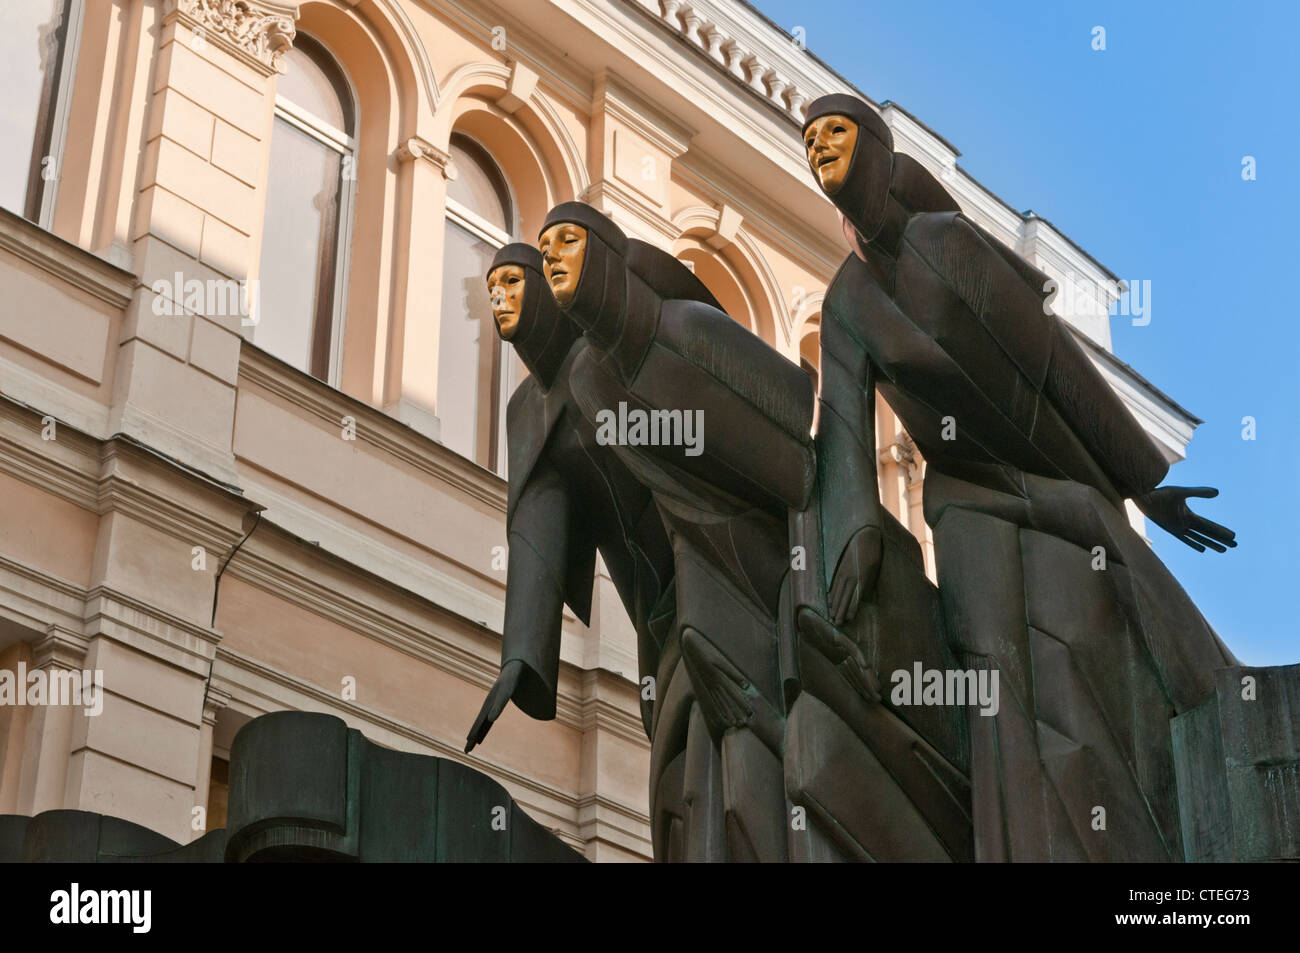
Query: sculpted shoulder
[
  {"x": 523, "y": 395},
  {"x": 942, "y": 236},
  {"x": 958, "y": 249}
]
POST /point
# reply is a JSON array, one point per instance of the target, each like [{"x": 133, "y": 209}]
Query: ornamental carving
[{"x": 260, "y": 30}]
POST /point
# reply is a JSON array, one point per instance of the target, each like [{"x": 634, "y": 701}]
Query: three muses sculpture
[{"x": 773, "y": 597}]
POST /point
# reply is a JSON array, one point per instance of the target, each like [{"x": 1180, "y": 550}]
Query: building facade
[{"x": 251, "y": 400}]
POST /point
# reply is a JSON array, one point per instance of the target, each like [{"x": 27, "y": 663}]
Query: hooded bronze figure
[
  {"x": 716, "y": 772},
  {"x": 568, "y": 498},
  {"x": 1030, "y": 456},
  {"x": 738, "y": 748}
]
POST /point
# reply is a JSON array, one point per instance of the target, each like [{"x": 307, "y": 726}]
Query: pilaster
[
  {"x": 411, "y": 395},
  {"x": 50, "y": 726},
  {"x": 632, "y": 148},
  {"x": 191, "y": 240}
]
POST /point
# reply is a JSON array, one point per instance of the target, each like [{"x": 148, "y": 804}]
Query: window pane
[
  {"x": 31, "y": 40},
  {"x": 312, "y": 84},
  {"x": 465, "y": 347},
  {"x": 299, "y": 241},
  {"x": 479, "y": 185}
]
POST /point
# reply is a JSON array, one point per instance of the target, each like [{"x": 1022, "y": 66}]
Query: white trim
[
  {"x": 461, "y": 215},
  {"x": 476, "y": 224},
  {"x": 505, "y": 387},
  {"x": 342, "y": 270},
  {"x": 62, "y": 108},
  {"x": 314, "y": 126}
]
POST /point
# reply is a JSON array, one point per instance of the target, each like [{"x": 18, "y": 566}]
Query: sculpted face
[
  {"x": 830, "y": 141},
  {"x": 506, "y": 287},
  {"x": 563, "y": 247}
]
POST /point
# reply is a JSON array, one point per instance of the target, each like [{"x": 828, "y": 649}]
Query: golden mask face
[
  {"x": 830, "y": 141},
  {"x": 563, "y": 247},
  {"x": 506, "y": 288}
]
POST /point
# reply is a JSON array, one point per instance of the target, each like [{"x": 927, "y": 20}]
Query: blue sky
[{"x": 1136, "y": 153}]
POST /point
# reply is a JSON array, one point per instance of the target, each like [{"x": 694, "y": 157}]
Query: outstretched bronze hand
[
  {"x": 855, "y": 576},
  {"x": 1167, "y": 507},
  {"x": 495, "y": 703},
  {"x": 841, "y": 651}
]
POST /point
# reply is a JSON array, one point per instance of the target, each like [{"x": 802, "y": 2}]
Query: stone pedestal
[
  {"x": 305, "y": 787},
  {"x": 1237, "y": 756}
]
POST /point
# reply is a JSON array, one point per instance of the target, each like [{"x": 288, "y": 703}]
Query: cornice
[
  {"x": 75, "y": 482},
  {"x": 601, "y": 712},
  {"x": 586, "y": 699},
  {"x": 1162, "y": 417},
  {"x": 773, "y": 66},
  {"x": 37, "y": 600},
  {"x": 104, "y": 477},
  {"x": 66, "y": 261},
  {"x": 588, "y": 805},
  {"x": 266, "y": 570},
  {"x": 61, "y": 648},
  {"x": 620, "y": 202},
  {"x": 215, "y": 701},
  {"x": 147, "y": 506},
  {"x": 72, "y": 616},
  {"x": 374, "y": 427},
  {"x": 144, "y": 627}
]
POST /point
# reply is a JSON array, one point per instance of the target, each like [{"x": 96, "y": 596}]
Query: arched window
[
  {"x": 36, "y": 58},
  {"x": 475, "y": 371},
  {"x": 810, "y": 346},
  {"x": 303, "y": 270}
]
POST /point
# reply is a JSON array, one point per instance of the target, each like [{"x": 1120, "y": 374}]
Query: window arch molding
[
  {"x": 476, "y": 372},
  {"x": 771, "y": 308},
  {"x": 473, "y": 161},
  {"x": 481, "y": 86},
  {"x": 534, "y": 180},
  {"x": 388, "y": 93}
]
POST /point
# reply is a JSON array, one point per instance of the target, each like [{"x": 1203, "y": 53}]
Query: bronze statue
[
  {"x": 1030, "y": 456},
  {"x": 716, "y": 772},
  {"x": 773, "y": 596},
  {"x": 738, "y": 745},
  {"x": 568, "y": 498}
]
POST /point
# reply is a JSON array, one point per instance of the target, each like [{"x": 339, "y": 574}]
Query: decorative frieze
[{"x": 256, "y": 30}]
